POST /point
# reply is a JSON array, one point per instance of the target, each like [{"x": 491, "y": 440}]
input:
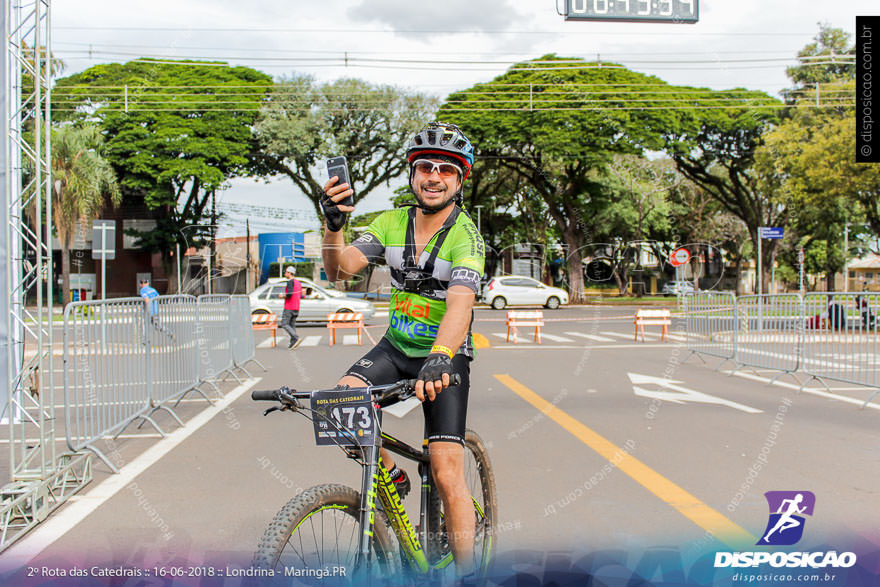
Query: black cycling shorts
[{"x": 445, "y": 416}]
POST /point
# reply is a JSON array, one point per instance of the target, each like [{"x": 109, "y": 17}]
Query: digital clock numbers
[{"x": 668, "y": 11}]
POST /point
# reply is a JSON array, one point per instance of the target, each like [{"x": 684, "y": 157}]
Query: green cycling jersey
[{"x": 455, "y": 255}]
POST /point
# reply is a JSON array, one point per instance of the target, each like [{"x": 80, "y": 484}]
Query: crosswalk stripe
[
  {"x": 310, "y": 341},
  {"x": 594, "y": 337},
  {"x": 555, "y": 338},
  {"x": 350, "y": 339},
  {"x": 617, "y": 334},
  {"x": 677, "y": 337},
  {"x": 264, "y": 344}
]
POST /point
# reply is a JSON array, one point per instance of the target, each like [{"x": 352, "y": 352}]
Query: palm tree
[{"x": 81, "y": 178}]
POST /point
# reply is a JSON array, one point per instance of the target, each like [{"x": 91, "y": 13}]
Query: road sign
[
  {"x": 668, "y": 11},
  {"x": 104, "y": 239},
  {"x": 770, "y": 233},
  {"x": 679, "y": 257}
]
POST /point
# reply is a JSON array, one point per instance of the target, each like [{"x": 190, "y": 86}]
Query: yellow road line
[
  {"x": 688, "y": 505},
  {"x": 480, "y": 341}
]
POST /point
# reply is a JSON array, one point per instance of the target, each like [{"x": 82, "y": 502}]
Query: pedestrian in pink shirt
[{"x": 292, "y": 294}]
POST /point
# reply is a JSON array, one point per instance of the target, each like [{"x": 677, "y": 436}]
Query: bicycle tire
[
  {"x": 478, "y": 474},
  {"x": 292, "y": 540}
]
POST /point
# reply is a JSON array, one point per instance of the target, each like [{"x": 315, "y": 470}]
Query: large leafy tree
[
  {"x": 556, "y": 123},
  {"x": 714, "y": 147},
  {"x": 810, "y": 156},
  {"x": 82, "y": 180},
  {"x": 175, "y": 133},
  {"x": 305, "y": 122}
]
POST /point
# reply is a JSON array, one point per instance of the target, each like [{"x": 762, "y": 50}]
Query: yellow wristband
[{"x": 439, "y": 348}]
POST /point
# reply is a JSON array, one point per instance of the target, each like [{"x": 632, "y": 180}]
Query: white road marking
[
  {"x": 350, "y": 339},
  {"x": 818, "y": 392},
  {"x": 594, "y": 337},
  {"x": 403, "y": 408},
  {"x": 679, "y": 394},
  {"x": 310, "y": 341},
  {"x": 80, "y": 506},
  {"x": 265, "y": 344},
  {"x": 381, "y": 314},
  {"x": 617, "y": 334},
  {"x": 555, "y": 338}
]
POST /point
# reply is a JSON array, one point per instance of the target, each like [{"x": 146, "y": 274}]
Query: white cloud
[{"x": 415, "y": 20}]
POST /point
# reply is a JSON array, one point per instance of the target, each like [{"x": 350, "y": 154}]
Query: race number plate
[{"x": 344, "y": 417}]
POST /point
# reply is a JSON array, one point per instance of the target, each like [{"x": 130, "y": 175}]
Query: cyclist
[{"x": 436, "y": 257}]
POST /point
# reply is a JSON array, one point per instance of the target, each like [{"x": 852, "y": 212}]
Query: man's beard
[{"x": 433, "y": 208}]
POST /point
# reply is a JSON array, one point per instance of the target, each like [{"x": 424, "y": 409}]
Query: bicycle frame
[{"x": 376, "y": 481}]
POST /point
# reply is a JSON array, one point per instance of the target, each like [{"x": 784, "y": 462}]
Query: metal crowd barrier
[
  {"x": 826, "y": 336},
  {"x": 842, "y": 338},
  {"x": 212, "y": 331},
  {"x": 241, "y": 333},
  {"x": 172, "y": 353},
  {"x": 711, "y": 324},
  {"x": 124, "y": 359},
  {"x": 106, "y": 370},
  {"x": 769, "y": 334}
]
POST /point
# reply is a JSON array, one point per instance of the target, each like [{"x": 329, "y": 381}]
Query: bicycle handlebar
[{"x": 384, "y": 395}]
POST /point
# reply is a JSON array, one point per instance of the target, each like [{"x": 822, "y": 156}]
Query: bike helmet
[{"x": 442, "y": 139}]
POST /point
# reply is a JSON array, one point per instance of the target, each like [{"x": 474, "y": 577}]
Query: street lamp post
[{"x": 479, "y": 208}]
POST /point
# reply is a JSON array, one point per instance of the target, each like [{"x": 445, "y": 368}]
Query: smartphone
[{"x": 338, "y": 166}]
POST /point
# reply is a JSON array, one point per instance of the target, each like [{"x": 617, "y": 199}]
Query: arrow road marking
[{"x": 679, "y": 394}]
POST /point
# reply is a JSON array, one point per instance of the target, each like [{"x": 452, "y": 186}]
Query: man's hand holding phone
[{"x": 338, "y": 198}]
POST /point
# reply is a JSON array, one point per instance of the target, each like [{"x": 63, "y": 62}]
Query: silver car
[{"x": 315, "y": 304}]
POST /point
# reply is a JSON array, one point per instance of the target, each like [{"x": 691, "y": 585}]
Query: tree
[
  {"x": 175, "y": 133},
  {"x": 715, "y": 148},
  {"x": 810, "y": 156},
  {"x": 305, "y": 123},
  {"x": 829, "y": 58},
  {"x": 556, "y": 124},
  {"x": 81, "y": 180}
]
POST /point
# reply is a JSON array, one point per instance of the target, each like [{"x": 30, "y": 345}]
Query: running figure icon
[
  {"x": 786, "y": 521},
  {"x": 787, "y": 516}
]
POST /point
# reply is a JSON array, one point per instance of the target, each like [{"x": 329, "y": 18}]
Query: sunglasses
[{"x": 444, "y": 170}]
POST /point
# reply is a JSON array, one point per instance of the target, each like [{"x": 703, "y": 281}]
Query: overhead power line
[{"x": 460, "y": 31}]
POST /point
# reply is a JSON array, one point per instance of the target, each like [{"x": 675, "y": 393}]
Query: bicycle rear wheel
[
  {"x": 317, "y": 531},
  {"x": 480, "y": 481}
]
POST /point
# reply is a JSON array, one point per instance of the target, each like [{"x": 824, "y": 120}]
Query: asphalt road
[{"x": 598, "y": 442}]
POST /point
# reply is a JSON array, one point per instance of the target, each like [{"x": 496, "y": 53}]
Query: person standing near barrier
[
  {"x": 436, "y": 256},
  {"x": 292, "y": 294},
  {"x": 148, "y": 294},
  {"x": 864, "y": 308},
  {"x": 836, "y": 314}
]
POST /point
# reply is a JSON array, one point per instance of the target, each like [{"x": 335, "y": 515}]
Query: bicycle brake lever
[{"x": 270, "y": 410}]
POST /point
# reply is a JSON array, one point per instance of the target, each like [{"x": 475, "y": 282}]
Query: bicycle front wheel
[{"x": 317, "y": 532}]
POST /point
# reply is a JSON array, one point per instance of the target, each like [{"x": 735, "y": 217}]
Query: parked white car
[
  {"x": 516, "y": 290},
  {"x": 315, "y": 304},
  {"x": 674, "y": 288}
]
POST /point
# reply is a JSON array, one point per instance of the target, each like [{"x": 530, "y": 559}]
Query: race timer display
[{"x": 668, "y": 11}]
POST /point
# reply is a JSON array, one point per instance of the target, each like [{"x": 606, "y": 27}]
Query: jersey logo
[{"x": 407, "y": 307}]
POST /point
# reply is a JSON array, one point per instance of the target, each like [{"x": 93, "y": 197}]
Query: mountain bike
[{"x": 337, "y": 531}]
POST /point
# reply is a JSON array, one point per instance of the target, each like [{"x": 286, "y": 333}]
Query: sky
[{"x": 434, "y": 48}]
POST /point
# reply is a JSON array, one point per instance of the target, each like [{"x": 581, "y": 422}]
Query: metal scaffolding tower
[{"x": 41, "y": 478}]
